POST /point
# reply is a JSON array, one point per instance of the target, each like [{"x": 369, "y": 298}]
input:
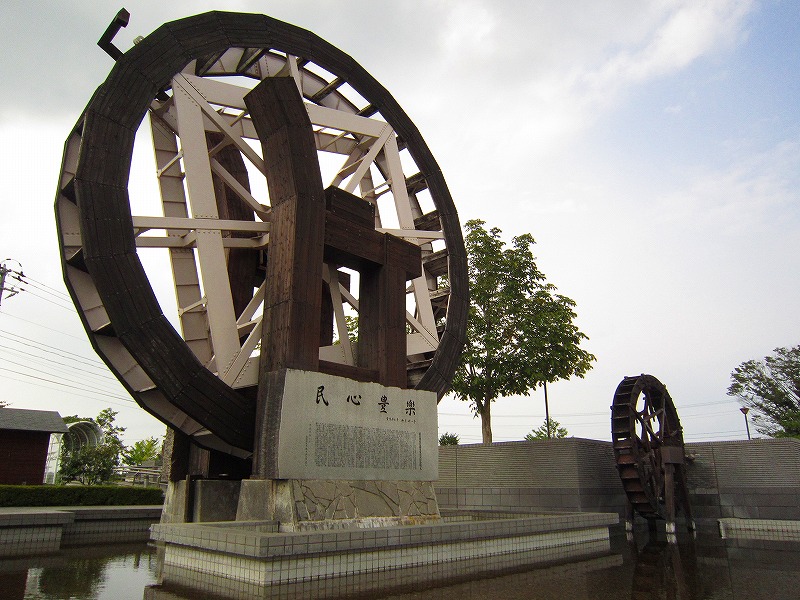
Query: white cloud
[
  {"x": 753, "y": 193},
  {"x": 681, "y": 33},
  {"x": 467, "y": 31},
  {"x": 528, "y": 82}
]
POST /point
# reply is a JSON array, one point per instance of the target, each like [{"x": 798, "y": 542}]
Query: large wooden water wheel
[
  {"x": 189, "y": 78},
  {"x": 648, "y": 448}
]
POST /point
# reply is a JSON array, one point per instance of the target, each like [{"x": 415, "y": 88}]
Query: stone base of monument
[
  {"x": 342, "y": 495},
  {"x": 318, "y": 505},
  {"x": 256, "y": 559},
  {"x": 302, "y": 505}
]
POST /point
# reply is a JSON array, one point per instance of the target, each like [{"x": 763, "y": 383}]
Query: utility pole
[
  {"x": 2, "y": 281},
  {"x": 4, "y": 271}
]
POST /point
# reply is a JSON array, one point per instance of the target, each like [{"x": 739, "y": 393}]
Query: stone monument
[{"x": 332, "y": 443}]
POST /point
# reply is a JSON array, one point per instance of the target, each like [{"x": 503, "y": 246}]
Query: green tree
[
  {"x": 549, "y": 429},
  {"x": 448, "y": 439},
  {"x": 111, "y": 432},
  {"x": 520, "y": 332},
  {"x": 141, "y": 451},
  {"x": 771, "y": 389},
  {"x": 91, "y": 465}
]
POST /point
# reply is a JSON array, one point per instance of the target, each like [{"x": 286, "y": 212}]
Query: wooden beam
[{"x": 292, "y": 302}]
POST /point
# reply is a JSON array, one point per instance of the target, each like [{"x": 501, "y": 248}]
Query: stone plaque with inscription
[{"x": 336, "y": 428}]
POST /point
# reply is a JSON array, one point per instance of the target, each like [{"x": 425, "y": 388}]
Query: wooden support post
[
  {"x": 381, "y": 331},
  {"x": 292, "y": 301},
  {"x": 310, "y": 226},
  {"x": 669, "y": 500},
  {"x": 290, "y": 332},
  {"x": 629, "y": 516},
  {"x": 683, "y": 495}
]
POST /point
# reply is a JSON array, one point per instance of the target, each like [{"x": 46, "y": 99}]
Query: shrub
[
  {"x": 448, "y": 439},
  {"x": 99, "y": 495}
]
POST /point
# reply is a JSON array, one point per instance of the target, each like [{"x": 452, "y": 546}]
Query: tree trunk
[{"x": 486, "y": 422}]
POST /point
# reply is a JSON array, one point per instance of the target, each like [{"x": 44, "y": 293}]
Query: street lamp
[{"x": 746, "y": 410}]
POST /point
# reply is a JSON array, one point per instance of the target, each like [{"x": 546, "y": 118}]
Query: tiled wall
[
  {"x": 26, "y": 532},
  {"x": 749, "y": 479},
  {"x": 755, "y": 479},
  {"x": 44, "y": 530},
  {"x": 760, "y": 529},
  {"x": 110, "y": 525},
  {"x": 238, "y": 561},
  {"x": 547, "y": 475},
  {"x": 29, "y": 540}
]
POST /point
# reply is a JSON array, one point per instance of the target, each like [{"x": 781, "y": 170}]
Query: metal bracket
[{"x": 120, "y": 21}]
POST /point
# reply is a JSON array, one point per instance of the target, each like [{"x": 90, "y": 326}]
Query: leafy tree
[
  {"x": 105, "y": 419},
  {"x": 141, "y": 451},
  {"x": 520, "y": 332},
  {"x": 549, "y": 429},
  {"x": 448, "y": 439},
  {"x": 771, "y": 389},
  {"x": 91, "y": 465}
]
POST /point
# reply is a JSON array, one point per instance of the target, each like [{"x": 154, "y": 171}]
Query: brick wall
[{"x": 22, "y": 456}]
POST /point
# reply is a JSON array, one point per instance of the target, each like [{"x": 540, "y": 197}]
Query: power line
[
  {"x": 54, "y": 302},
  {"x": 61, "y": 384},
  {"x": 96, "y": 363},
  {"x": 45, "y": 288},
  {"x": 99, "y": 390},
  {"x": 51, "y": 361},
  {"x": 44, "y": 327},
  {"x": 584, "y": 414},
  {"x": 57, "y": 297}
]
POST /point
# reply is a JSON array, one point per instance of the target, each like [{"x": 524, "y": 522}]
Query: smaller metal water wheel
[{"x": 648, "y": 449}]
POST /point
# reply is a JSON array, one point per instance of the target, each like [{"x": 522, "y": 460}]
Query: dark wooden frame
[{"x": 108, "y": 127}]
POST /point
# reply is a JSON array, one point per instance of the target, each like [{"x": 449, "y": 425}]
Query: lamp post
[
  {"x": 746, "y": 410},
  {"x": 546, "y": 412}
]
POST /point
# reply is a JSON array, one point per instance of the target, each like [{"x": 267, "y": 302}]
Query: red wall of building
[{"x": 23, "y": 455}]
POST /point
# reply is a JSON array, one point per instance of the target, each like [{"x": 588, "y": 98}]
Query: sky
[{"x": 652, "y": 148}]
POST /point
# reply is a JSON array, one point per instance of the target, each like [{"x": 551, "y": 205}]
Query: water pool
[{"x": 703, "y": 568}]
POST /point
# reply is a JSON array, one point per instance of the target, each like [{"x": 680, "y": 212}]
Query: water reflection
[
  {"x": 82, "y": 579},
  {"x": 649, "y": 568},
  {"x": 706, "y": 568},
  {"x": 108, "y": 572},
  {"x": 665, "y": 571},
  {"x": 709, "y": 568}
]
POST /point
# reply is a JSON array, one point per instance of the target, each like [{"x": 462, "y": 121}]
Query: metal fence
[{"x": 143, "y": 476}]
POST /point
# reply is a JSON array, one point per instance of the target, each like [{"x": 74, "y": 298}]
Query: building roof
[{"x": 23, "y": 419}]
